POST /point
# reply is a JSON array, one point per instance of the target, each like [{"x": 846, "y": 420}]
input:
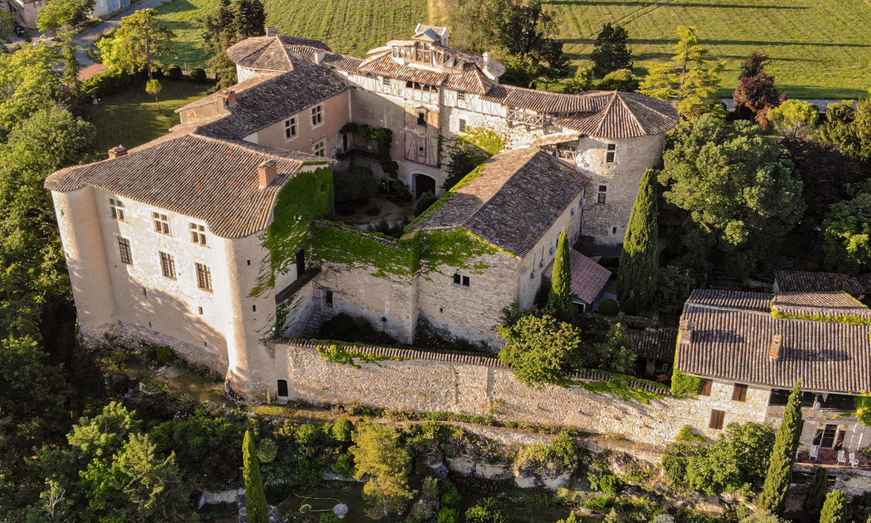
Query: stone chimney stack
[
  {"x": 775, "y": 348},
  {"x": 685, "y": 331},
  {"x": 117, "y": 152},
  {"x": 230, "y": 99},
  {"x": 266, "y": 174}
]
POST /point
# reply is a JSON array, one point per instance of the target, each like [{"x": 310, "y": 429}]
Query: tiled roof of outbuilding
[
  {"x": 624, "y": 115},
  {"x": 804, "y": 281},
  {"x": 273, "y": 53},
  {"x": 731, "y": 342},
  {"x": 212, "y": 180},
  {"x": 823, "y": 303},
  {"x": 513, "y": 201}
]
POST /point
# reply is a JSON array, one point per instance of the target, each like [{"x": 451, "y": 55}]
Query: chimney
[
  {"x": 685, "y": 331},
  {"x": 775, "y": 348},
  {"x": 230, "y": 99},
  {"x": 117, "y": 152},
  {"x": 266, "y": 174}
]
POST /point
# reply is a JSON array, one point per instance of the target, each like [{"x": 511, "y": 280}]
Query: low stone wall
[{"x": 416, "y": 380}]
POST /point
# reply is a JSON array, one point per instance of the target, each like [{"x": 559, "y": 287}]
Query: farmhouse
[
  {"x": 246, "y": 221},
  {"x": 751, "y": 348}
]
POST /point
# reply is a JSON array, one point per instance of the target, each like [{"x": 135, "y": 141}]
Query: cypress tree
[
  {"x": 610, "y": 52},
  {"x": 816, "y": 496},
  {"x": 255, "y": 497},
  {"x": 835, "y": 508},
  {"x": 559, "y": 300},
  {"x": 777, "y": 480},
  {"x": 636, "y": 281}
]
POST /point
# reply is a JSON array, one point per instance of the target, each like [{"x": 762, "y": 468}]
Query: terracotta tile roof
[
  {"x": 543, "y": 101},
  {"x": 802, "y": 281},
  {"x": 274, "y": 98},
  {"x": 714, "y": 298},
  {"x": 625, "y": 115},
  {"x": 212, "y": 180},
  {"x": 588, "y": 277},
  {"x": 826, "y": 303},
  {"x": 274, "y": 53},
  {"x": 513, "y": 201},
  {"x": 345, "y": 63},
  {"x": 732, "y": 343},
  {"x": 653, "y": 343}
]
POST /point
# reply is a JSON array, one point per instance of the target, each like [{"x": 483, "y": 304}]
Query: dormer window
[
  {"x": 611, "y": 153},
  {"x": 317, "y": 116},
  {"x": 290, "y": 128}
]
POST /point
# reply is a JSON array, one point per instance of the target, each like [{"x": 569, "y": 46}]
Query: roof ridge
[
  {"x": 532, "y": 151},
  {"x": 618, "y": 95},
  {"x": 259, "y": 48},
  {"x": 245, "y": 146},
  {"x": 604, "y": 112},
  {"x": 648, "y": 107}
]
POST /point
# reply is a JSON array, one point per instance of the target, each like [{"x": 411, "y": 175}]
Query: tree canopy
[
  {"x": 736, "y": 183},
  {"x": 610, "y": 52},
  {"x": 539, "y": 348},
  {"x": 755, "y": 94},
  {"x": 639, "y": 259},
  {"x": 64, "y": 14},
  {"x": 690, "y": 78},
  {"x": 135, "y": 44},
  {"x": 30, "y": 80},
  {"x": 847, "y": 231}
]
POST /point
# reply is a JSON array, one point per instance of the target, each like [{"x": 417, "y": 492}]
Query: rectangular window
[
  {"x": 117, "y": 209},
  {"x": 290, "y": 128},
  {"x": 161, "y": 223},
  {"x": 124, "y": 251},
  {"x": 739, "y": 392},
  {"x": 462, "y": 125},
  {"x": 461, "y": 96},
  {"x": 465, "y": 281},
  {"x": 706, "y": 387},
  {"x": 328, "y": 299},
  {"x": 717, "y": 418},
  {"x": 198, "y": 234},
  {"x": 204, "y": 277},
  {"x": 317, "y": 116},
  {"x": 602, "y": 195},
  {"x": 385, "y": 81},
  {"x": 612, "y": 151},
  {"x": 319, "y": 149},
  {"x": 167, "y": 265},
  {"x": 457, "y": 279},
  {"x": 421, "y": 118}
]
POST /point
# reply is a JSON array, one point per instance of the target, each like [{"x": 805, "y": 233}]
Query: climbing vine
[
  {"x": 683, "y": 384},
  {"x": 863, "y": 408},
  {"x": 304, "y": 197},
  {"x": 337, "y": 243},
  {"x": 848, "y": 319}
]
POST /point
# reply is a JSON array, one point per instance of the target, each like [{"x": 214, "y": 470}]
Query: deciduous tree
[
  {"x": 849, "y": 128},
  {"x": 610, "y": 52},
  {"x": 794, "y": 118},
  {"x": 639, "y": 265},
  {"x": 773, "y": 496},
  {"x": 755, "y": 94},
  {"x": 382, "y": 460},
  {"x": 690, "y": 78},
  {"x": 847, "y": 232},
  {"x": 135, "y": 44},
  {"x": 29, "y": 80},
  {"x": 539, "y": 348}
]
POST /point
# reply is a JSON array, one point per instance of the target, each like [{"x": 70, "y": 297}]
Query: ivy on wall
[
  {"x": 683, "y": 384},
  {"x": 304, "y": 197},
  {"x": 337, "y": 243},
  {"x": 863, "y": 408}
]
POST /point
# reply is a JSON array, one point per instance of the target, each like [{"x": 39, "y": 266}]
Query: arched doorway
[{"x": 423, "y": 184}]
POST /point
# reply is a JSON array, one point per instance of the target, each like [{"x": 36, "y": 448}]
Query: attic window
[{"x": 612, "y": 151}]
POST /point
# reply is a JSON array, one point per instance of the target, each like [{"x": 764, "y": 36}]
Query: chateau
[{"x": 225, "y": 232}]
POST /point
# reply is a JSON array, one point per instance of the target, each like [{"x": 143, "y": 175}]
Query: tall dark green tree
[
  {"x": 773, "y": 496},
  {"x": 232, "y": 22},
  {"x": 559, "y": 299},
  {"x": 610, "y": 52},
  {"x": 250, "y": 19},
  {"x": 255, "y": 497},
  {"x": 835, "y": 508},
  {"x": 636, "y": 281}
]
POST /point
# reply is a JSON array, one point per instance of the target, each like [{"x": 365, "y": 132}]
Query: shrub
[
  {"x": 174, "y": 72},
  {"x": 601, "y": 479},
  {"x": 835, "y": 508},
  {"x": 199, "y": 75},
  {"x": 609, "y": 307},
  {"x": 267, "y": 450},
  {"x": 619, "y": 80},
  {"x": 485, "y": 511},
  {"x": 539, "y": 348},
  {"x": 447, "y": 515},
  {"x": 342, "y": 429},
  {"x": 737, "y": 462},
  {"x": 384, "y": 463},
  {"x": 559, "y": 456}
]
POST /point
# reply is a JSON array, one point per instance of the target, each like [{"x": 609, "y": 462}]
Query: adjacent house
[
  {"x": 228, "y": 230},
  {"x": 751, "y": 348},
  {"x": 26, "y": 12}
]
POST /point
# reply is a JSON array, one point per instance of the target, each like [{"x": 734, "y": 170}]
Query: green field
[
  {"x": 348, "y": 26},
  {"x": 132, "y": 117},
  {"x": 819, "y": 48}
]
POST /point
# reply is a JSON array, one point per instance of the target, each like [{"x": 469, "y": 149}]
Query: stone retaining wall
[{"x": 469, "y": 384}]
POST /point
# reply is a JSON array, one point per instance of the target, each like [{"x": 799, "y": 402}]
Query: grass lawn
[
  {"x": 183, "y": 18},
  {"x": 132, "y": 117},
  {"x": 819, "y": 48}
]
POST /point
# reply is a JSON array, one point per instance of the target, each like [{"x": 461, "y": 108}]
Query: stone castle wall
[{"x": 432, "y": 382}]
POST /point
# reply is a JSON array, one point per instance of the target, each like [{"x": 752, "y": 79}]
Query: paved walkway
[{"x": 86, "y": 39}]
